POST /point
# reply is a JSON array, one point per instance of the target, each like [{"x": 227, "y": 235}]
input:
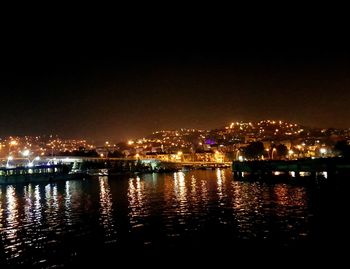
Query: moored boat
[{"x": 42, "y": 173}]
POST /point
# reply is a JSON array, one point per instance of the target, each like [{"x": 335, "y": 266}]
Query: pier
[{"x": 63, "y": 167}]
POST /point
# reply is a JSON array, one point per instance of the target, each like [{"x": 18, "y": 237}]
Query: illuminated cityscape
[
  {"x": 220, "y": 145},
  {"x": 116, "y": 154}
]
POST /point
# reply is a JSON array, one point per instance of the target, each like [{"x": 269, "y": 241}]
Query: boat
[{"x": 40, "y": 173}]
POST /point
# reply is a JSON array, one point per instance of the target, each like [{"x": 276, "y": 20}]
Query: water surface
[{"x": 56, "y": 224}]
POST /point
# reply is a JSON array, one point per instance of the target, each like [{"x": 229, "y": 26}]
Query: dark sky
[{"x": 100, "y": 90}]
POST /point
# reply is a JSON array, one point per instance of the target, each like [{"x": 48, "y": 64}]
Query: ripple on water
[{"x": 41, "y": 222}]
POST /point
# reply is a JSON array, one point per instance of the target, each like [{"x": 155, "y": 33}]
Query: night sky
[{"x": 99, "y": 90}]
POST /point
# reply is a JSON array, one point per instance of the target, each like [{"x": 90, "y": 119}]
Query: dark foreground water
[{"x": 65, "y": 223}]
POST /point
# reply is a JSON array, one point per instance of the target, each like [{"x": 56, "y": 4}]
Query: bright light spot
[
  {"x": 323, "y": 150},
  {"x": 130, "y": 142},
  {"x": 137, "y": 155},
  {"x": 10, "y": 158},
  {"x": 30, "y": 164},
  {"x": 291, "y": 152},
  {"x": 13, "y": 143},
  {"x": 37, "y": 158},
  {"x": 240, "y": 158},
  {"x": 292, "y": 174},
  {"x": 101, "y": 155},
  {"x": 26, "y": 153}
]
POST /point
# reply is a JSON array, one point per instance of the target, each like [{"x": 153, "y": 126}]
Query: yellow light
[
  {"x": 13, "y": 143},
  {"x": 101, "y": 155},
  {"x": 179, "y": 153},
  {"x": 130, "y": 142},
  {"x": 291, "y": 152}
]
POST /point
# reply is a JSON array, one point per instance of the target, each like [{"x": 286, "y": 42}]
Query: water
[{"x": 58, "y": 224}]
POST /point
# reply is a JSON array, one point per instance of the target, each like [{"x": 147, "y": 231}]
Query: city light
[
  {"x": 200, "y": 145},
  {"x": 13, "y": 143},
  {"x": 26, "y": 153}
]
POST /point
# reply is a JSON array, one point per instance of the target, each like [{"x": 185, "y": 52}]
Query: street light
[
  {"x": 323, "y": 151},
  {"x": 273, "y": 150},
  {"x": 9, "y": 158},
  {"x": 26, "y": 153},
  {"x": 290, "y": 152}
]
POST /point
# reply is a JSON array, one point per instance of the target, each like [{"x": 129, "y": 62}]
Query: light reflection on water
[
  {"x": 39, "y": 221},
  {"x": 11, "y": 222},
  {"x": 106, "y": 210},
  {"x": 138, "y": 205}
]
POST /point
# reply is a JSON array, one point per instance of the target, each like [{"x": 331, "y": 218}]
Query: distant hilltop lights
[
  {"x": 280, "y": 139},
  {"x": 263, "y": 122},
  {"x": 277, "y": 127},
  {"x": 277, "y": 138}
]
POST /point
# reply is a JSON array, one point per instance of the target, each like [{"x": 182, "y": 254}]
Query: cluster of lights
[{"x": 40, "y": 146}]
